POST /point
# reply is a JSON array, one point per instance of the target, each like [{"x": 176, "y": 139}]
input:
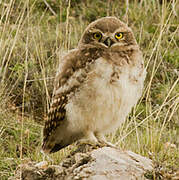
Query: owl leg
[
  {"x": 88, "y": 142},
  {"x": 88, "y": 138},
  {"x": 101, "y": 139}
]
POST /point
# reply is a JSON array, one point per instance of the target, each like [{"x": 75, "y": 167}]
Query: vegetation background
[{"x": 33, "y": 34}]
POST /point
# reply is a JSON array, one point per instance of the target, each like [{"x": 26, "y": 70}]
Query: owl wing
[
  {"x": 71, "y": 74},
  {"x": 57, "y": 112}
]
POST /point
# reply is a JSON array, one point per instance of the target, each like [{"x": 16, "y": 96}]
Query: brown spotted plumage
[{"x": 96, "y": 86}]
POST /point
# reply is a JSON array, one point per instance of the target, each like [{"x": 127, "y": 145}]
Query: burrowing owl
[{"x": 96, "y": 85}]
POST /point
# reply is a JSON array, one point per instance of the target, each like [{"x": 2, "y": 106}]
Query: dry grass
[{"x": 32, "y": 36}]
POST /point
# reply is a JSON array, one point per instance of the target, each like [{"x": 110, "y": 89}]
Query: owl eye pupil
[
  {"x": 97, "y": 36},
  {"x": 118, "y": 35}
]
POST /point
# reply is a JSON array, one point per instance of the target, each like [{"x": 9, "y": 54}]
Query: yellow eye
[
  {"x": 97, "y": 35},
  {"x": 118, "y": 35}
]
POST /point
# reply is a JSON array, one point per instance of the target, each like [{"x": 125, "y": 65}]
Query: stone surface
[{"x": 100, "y": 164}]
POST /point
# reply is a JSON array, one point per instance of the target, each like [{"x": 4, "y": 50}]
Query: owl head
[{"x": 108, "y": 33}]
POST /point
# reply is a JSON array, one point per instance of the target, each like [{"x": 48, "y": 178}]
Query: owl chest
[
  {"x": 108, "y": 95},
  {"x": 112, "y": 83}
]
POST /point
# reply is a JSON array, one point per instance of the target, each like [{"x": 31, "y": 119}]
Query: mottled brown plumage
[{"x": 96, "y": 86}]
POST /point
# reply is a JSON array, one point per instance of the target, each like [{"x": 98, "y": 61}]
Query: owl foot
[
  {"x": 108, "y": 144},
  {"x": 87, "y": 145},
  {"x": 101, "y": 139},
  {"x": 89, "y": 142}
]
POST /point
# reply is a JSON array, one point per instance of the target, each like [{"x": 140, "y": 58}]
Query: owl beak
[{"x": 108, "y": 42}]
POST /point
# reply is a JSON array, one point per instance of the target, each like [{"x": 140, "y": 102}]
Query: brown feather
[
  {"x": 91, "y": 84},
  {"x": 57, "y": 113}
]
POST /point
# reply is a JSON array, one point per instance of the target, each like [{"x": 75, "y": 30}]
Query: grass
[{"x": 34, "y": 33}]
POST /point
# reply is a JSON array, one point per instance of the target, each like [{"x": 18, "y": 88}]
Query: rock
[{"x": 100, "y": 164}]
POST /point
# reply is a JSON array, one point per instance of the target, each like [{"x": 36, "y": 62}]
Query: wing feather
[
  {"x": 57, "y": 111},
  {"x": 70, "y": 75}
]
